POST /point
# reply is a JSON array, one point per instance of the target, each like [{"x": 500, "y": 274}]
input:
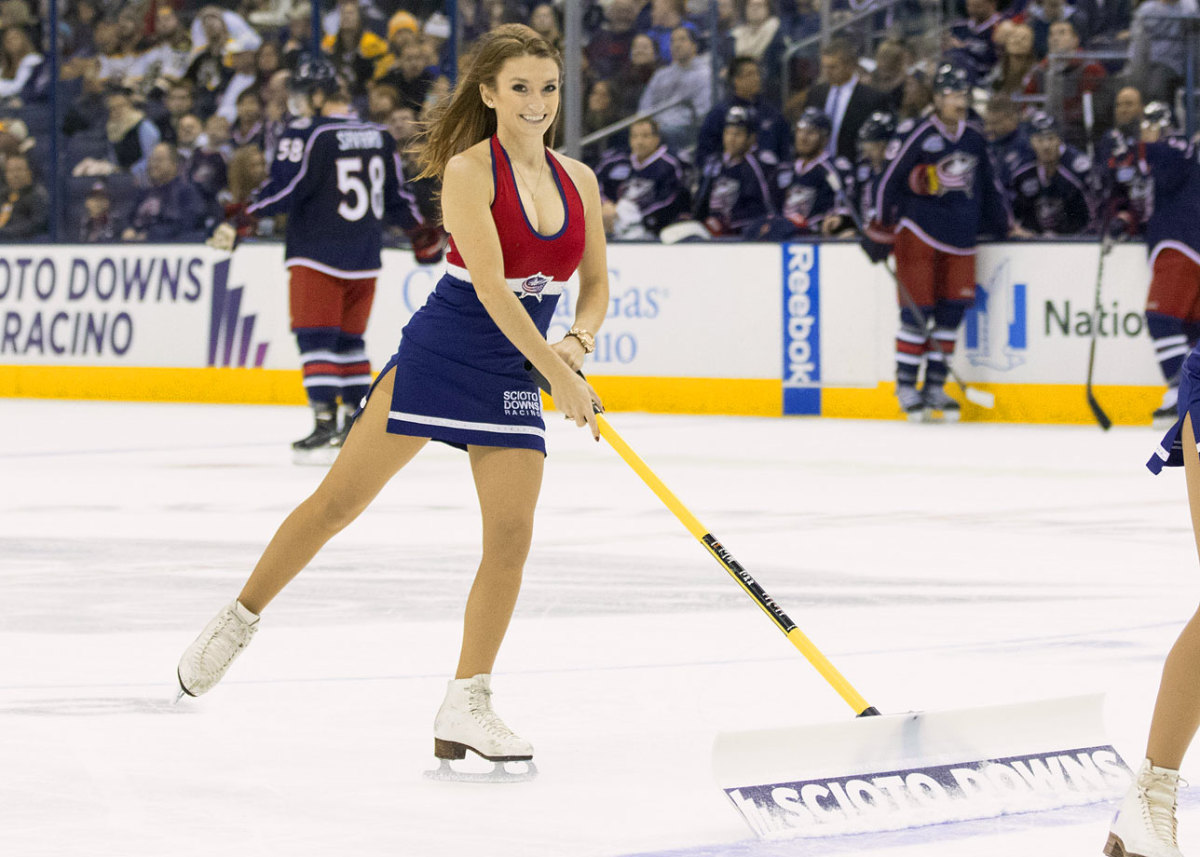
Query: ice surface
[{"x": 937, "y": 566}]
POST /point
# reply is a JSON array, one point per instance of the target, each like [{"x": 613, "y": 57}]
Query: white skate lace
[
  {"x": 1158, "y": 795},
  {"x": 480, "y": 705},
  {"x": 229, "y": 637}
]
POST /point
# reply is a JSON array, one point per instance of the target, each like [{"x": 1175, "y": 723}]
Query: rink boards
[{"x": 743, "y": 329}]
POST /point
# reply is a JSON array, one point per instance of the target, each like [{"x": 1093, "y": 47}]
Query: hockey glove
[
  {"x": 875, "y": 251},
  {"x": 224, "y": 238},
  {"x": 428, "y": 244}
]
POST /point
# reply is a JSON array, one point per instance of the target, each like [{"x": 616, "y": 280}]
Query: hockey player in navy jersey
[
  {"x": 337, "y": 179},
  {"x": 1172, "y": 228},
  {"x": 1007, "y": 140},
  {"x": 937, "y": 195},
  {"x": 1053, "y": 195},
  {"x": 734, "y": 194},
  {"x": 875, "y": 138},
  {"x": 808, "y": 191},
  {"x": 643, "y": 190}
]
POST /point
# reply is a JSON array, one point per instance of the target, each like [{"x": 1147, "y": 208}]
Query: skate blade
[
  {"x": 321, "y": 457},
  {"x": 522, "y": 772},
  {"x": 935, "y": 416}
]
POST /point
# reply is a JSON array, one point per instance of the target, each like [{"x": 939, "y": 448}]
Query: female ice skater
[
  {"x": 1144, "y": 825},
  {"x": 522, "y": 220}
]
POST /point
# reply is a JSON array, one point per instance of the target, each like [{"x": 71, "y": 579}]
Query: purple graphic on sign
[{"x": 225, "y": 322}]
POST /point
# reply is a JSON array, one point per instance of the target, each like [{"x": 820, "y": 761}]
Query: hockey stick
[
  {"x": 979, "y": 397},
  {"x": 1097, "y": 411},
  {"x": 749, "y": 585}
]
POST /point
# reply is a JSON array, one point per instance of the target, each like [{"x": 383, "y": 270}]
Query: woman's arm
[
  {"x": 592, "y": 303},
  {"x": 466, "y": 201}
]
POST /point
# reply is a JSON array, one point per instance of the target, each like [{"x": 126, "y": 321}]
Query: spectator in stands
[
  {"x": 643, "y": 190},
  {"x": 80, "y": 18},
  {"x": 267, "y": 60},
  {"x": 1125, "y": 133},
  {"x": 206, "y": 167},
  {"x": 275, "y": 110},
  {"x": 207, "y": 72},
  {"x": 1047, "y": 13},
  {"x": 241, "y": 53},
  {"x": 601, "y": 111},
  {"x": 1052, "y": 195},
  {"x": 248, "y": 129},
  {"x": 178, "y": 103},
  {"x": 354, "y": 50},
  {"x": 25, "y": 210},
  {"x": 19, "y": 61},
  {"x": 233, "y": 27},
  {"x": 843, "y": 98},
  {"x": 1073, "y": 78},
  {"x": 918, "y": 97},
  {"x": 189, "y": 134},
  {"x": 665, "y": 17},
  {"x": 760, "y": 37},
  {"x": 216, "y": 133},
  {"x": 411, "y": 77},
  {"x": 98, "y": 225},
  {"x": 167, "y": 60},
  {"x": 131, "y": 29},
  {"x": 14, "y": 139},
  {"x": 171, "y": 209},
  {"x": 1007, "y": 140},
  {"x": 608, "y": 49},
  {"x": 382, "y": 99},
  {"x": 547, "y": 21},
  {"x": 298, "y": 35},
  {"x": 131, "y": 135},
  {"x": 1160, "y": 51},
  {"x": 771, "y": 132},
  {"x": 247, "y": 170},
  {"x": 734, "y": 194},
  {"x": 87, "y": 113},
  {"x": 113, "y": 65},
  {"x": 631, "y": 81},
  {"x": 1017, "y": 61},
  {"x": 687, "y": 77},
  {"x": 892, "y": 59},
  {"x": 1108, "y": 23}
]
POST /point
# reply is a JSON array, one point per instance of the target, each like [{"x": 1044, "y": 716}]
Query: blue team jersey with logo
[
  {"x": 806, "y": 192},
  {"x": 1058, "y": 202},
  {"x": 941, "y": 185},
  {"x": 1173, "y": 205},
  {"x": 733, "y": 194},
  {"x": 654, "y": 185},
  {"x": 338, "y": 180}
]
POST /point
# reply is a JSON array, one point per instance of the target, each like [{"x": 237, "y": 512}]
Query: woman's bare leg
[
  {"x": 508, "y": 482},
  {"x": 1177, "y": 710},
  {"x": 369, "y": 458}
]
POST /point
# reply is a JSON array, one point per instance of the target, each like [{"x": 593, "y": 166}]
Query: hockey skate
[
  {"x": 465, "y": 722},
  {"x": 911, "y": 402},
  {"x": 1144, "y": 825},
  {"x": 322, "y": 445},
  {"x": 1166, "y": 414},
  {"x": 205, "y": 661},
  {"x": 938, "y": 402}
]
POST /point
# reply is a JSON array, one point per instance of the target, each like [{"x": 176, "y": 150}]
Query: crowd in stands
[{"x": 170, "y": 111}]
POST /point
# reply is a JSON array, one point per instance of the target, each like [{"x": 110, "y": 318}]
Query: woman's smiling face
[{"x": 526, "y": 95}]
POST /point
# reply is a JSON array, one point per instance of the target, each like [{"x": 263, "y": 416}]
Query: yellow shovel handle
[{"x": 827, "y": 670}]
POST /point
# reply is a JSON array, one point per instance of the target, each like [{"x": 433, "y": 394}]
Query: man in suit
[{"x": 843, "y": 98}]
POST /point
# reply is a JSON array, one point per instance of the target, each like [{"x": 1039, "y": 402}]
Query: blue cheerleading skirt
[
  {"x": 1170, "y": 450},
  {"x": 459, "y": 380}
]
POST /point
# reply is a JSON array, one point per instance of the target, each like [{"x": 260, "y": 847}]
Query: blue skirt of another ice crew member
[
  {"x": 1170, "y": 450},
  {"x": 459, "y": 379}
]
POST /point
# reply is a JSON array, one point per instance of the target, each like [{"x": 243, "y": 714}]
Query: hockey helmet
[
  {"x": 951, "y": 78},
  {"x": 1156, "y": 114},
  {"x": 744, "y": 117},
  {"x": 314, "y": 73},
  {"x": 815, "y": 118},
  {"x": 1042, "y": 122},
  {"x": 879, "y": 128}
]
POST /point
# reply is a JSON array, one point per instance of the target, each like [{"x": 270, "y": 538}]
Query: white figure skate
[
  {"x": 205, "y": 661},
  {"x": 1144, "y": 826},
  {"x": 465, "y": 722}
]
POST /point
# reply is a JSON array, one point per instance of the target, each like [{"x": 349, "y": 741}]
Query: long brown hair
[{"x": 462, "y": 120}]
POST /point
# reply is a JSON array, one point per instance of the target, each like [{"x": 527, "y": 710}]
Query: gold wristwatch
[{"x": 585, "y": 339}]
